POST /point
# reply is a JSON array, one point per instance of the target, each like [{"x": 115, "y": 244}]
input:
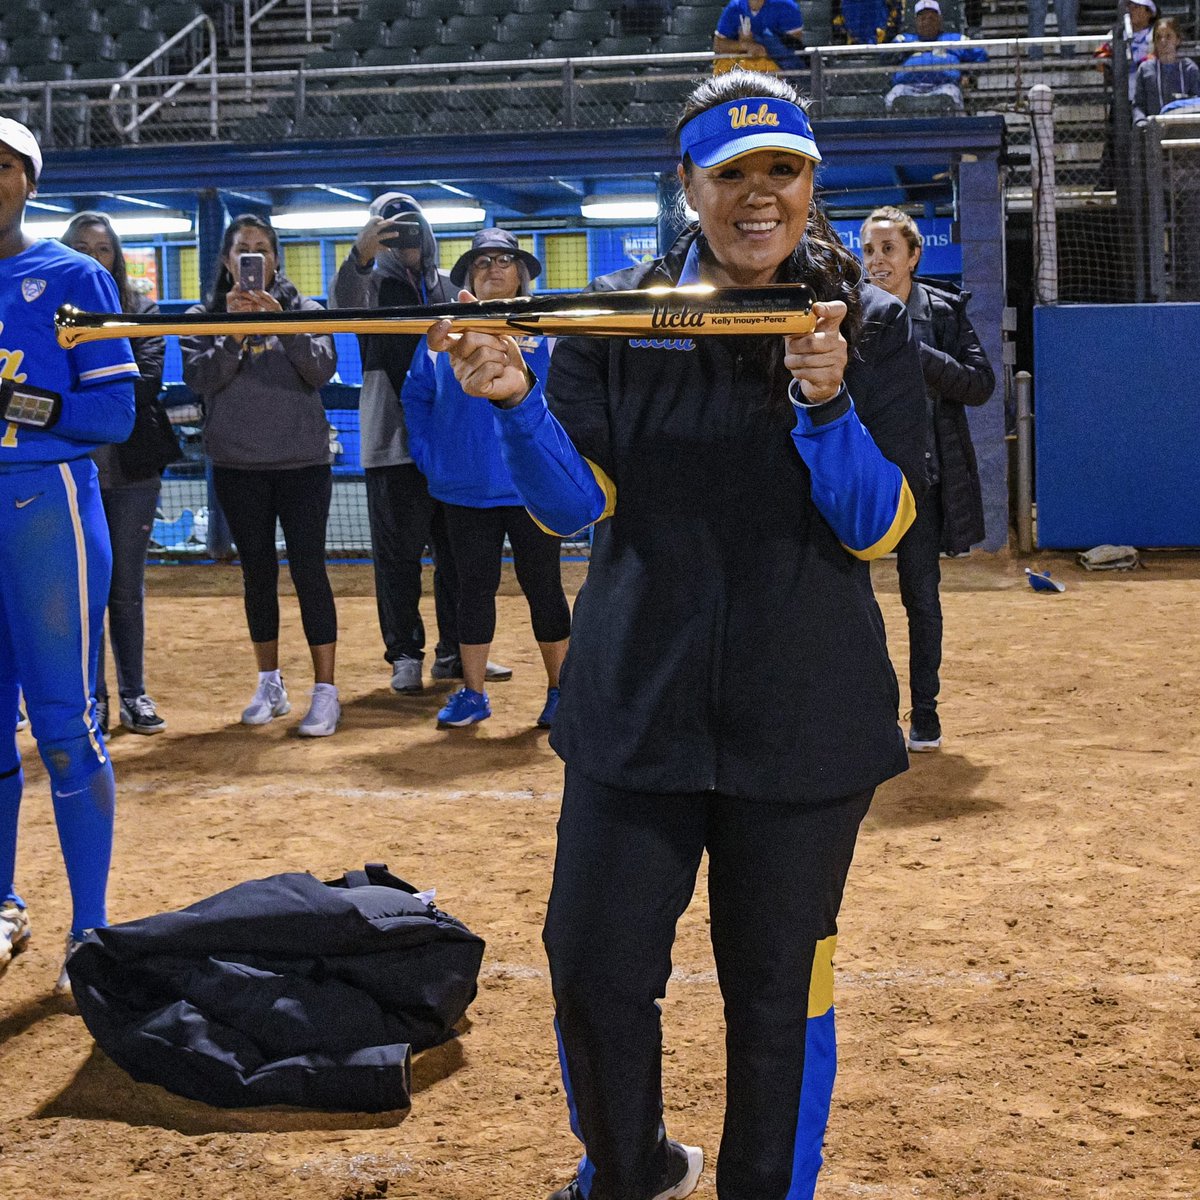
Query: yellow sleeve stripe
[
  {"x": 906, "y": 513},
  {"x": 610, "y": 502},
  {"x": 820, "y": 984}
]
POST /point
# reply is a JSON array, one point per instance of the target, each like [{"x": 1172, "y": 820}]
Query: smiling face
[
  {"x": 492, "y": 279},
  {"x": 250, "y": 239},
  {"x": 94, "y": 241},
  {"x": 15, "y": 189},
  {"x": 753, "y": 211},
  {"x": 889, "y": 260}
]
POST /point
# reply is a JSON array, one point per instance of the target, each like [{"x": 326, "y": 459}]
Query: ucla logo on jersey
[
  {"x": 527, "y": 342},
  {"x": 31, "y": 289},
  {"x": 662, "y": 343}
]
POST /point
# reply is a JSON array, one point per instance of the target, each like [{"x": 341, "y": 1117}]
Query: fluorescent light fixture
[
  {"x": 315, "y": 220},
  {"x": 619, "y": 208},
  {"x": 125, "y": 226},
  {"x": 453, "y": 214}
]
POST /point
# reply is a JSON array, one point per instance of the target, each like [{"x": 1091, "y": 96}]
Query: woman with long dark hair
[
  {"x": 728, "y": 686},
  {"x": 130, "y": 482},
  {"x": 957, "y": 373},
  {"x": 266, "y": 432}
]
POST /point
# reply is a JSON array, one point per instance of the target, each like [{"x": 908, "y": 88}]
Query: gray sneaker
[
  {"x": 449, "y": 666},
  {"x": 406, "y": 675}
]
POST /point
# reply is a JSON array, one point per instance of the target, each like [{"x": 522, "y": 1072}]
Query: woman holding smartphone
[{"x": 267, "y": 434}]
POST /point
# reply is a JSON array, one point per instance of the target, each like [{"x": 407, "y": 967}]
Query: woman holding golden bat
[{"x": 728, "y": 686}]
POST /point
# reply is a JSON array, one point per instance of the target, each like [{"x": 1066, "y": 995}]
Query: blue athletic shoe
[
  {"x": 550, "y": 711},
  {"x": 464, "y": 707}
]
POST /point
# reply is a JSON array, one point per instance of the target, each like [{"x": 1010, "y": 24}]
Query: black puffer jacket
[{"x": 957, "y": 373}]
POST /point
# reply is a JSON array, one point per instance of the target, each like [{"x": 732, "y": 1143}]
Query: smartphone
[{"x": 251, "y": 272}]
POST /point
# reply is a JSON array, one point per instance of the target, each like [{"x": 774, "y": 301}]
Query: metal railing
[
  {"x": 131, "y": 81},
  {"x": 565, "y": 93}
]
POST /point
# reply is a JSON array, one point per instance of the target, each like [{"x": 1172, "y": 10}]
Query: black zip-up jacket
[
  {"x": 725, "y": 639},
  {"x": 957, "y": 372}
]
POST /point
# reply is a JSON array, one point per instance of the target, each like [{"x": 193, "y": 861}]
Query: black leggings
[
  {"x": 477, "y": 543},
  {"x": 299, "y": 497}
]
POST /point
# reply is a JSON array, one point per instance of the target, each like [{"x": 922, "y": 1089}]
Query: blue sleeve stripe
[
  {"x": 129, "y": 368},
  {"x": 906, "y": 513},
  {"x": 563, "y": 492},
  {"x": 863, "y": 496},
  {"x": 610, "y": 503}
]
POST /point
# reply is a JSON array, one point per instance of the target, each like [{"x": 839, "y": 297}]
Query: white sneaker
[
  {"x": 14, "y": 932},
  {"x": 323, "y": 714},
  {"x": 63, "y": 986},
  {"x": 270, "y": 701}
]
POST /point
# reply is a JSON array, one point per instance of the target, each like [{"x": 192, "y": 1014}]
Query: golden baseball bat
[{"x": 654, "y": 312}]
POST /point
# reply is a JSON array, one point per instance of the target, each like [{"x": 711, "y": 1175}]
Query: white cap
[
  {"x": 928, "y": 5},
  {"x": 16, "y": 137},
  {"x": 1146, "y": 4}
]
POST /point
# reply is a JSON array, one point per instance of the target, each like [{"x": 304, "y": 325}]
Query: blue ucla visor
[{"x": 728, "y": 131}]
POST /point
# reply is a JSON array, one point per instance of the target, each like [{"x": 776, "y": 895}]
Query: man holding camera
[{"x": 394, "y": 262}]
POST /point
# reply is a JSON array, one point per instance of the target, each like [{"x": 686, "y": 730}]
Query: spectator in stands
[
  {"x": 933, "y": 72},
  {"x": 266, "y": 432},
  {"x": 394, "y": 261},
  {"x": 452, "y": 438},
  {"x": 1067, "y": 12},
  {"x": 1142, "y": 14},
  {"x": 760, "y": 35},
  {"x": 130, "y": 481},
  {"x": 950, "y": 517},
  {"x": 1165, "y": 77},
  {"x": 866, "y": 22}
]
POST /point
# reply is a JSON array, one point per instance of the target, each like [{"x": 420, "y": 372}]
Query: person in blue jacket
[
  {"x": 728, "y": 687},
  {"x": 452, "y": 440},
  {"x": 933, "y": 72},
  {"x": 56, "y": 406},
  {"x": 761, "y": 29}
]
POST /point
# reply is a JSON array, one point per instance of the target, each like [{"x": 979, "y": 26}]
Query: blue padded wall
[{"x": 1117, "y": 419}]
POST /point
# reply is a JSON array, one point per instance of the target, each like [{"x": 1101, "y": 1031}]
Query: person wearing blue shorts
[{"x": 55, "y": 407}]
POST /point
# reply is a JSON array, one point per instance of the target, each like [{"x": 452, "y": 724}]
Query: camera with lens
[{"x": 407, "y": 233}]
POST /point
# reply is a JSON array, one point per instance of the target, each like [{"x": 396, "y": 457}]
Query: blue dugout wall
[{"x": 1117, "y": 421}]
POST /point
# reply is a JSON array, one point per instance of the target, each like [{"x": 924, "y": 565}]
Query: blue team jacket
[
  {"x": 452, "y": 437},
  {"x": 930, "y": 68}
]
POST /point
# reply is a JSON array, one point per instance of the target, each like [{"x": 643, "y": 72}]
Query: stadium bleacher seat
[
  {"x": 925, "y": 106},
  {"x": 467, "y": 31},
  {"x": 359, "y": 35},
  {"x": 413, "y": 32},
  {"x": 522, "y": 27},
  {"x": 174, "y": 15},
  {"x": 573, "y": 24},
  {"x": 568, "y": 48},
  {"x": 120, "y": 18},
  {"x": 14, "y": 25},
  {"x": 439, "y": 53},
  {"x": 50, "y": 72},
  {"x": 325, "y": 126},
  {"x": 384, "y": 10},
  {"x": 88, "y": 47},
  {"x": 425, "y": 8},
  {"x": 40, "y": 48},
  {"x": 485, "y": 8},
  {"x": 326, "y": 60},
  {"x": 100, "y": 70},
  {"x": 388, "y": 56},
  {"x": 583, "y": 6},
  {"x": 623, "y": 45},
  {"x": 681, "y": 43},
  {"x": 854, "y": 106},
  {"x": 134, "y": 45},
  {"x": 503, "y": 51},
  {"x": 688, "y": 19}
]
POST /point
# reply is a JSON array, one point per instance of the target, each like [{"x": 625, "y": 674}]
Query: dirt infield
[{"x": 1016, "y": 974}]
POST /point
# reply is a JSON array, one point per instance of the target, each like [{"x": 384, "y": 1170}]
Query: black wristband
[{"x": 23, "y": 404}]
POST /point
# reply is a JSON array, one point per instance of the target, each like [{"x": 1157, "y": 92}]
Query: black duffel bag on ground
[{"x": 282, "y": 990}]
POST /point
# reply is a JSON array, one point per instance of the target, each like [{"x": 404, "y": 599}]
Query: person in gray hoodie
[
  {"x": 394, "y": 262},
  {"x": 266, "y": 432}
]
